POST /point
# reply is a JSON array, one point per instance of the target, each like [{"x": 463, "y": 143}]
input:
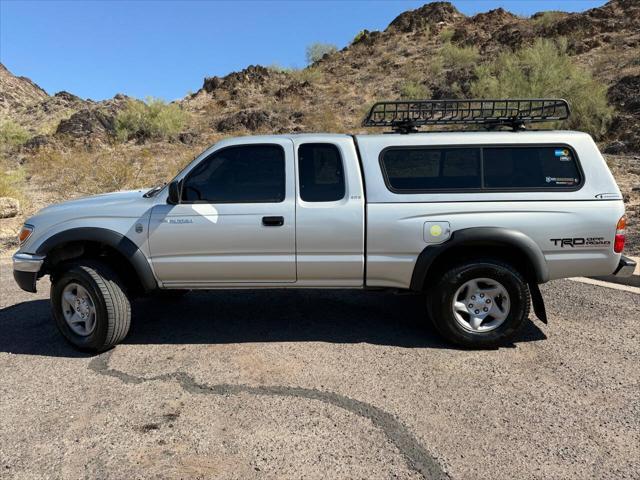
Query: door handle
[{"x": 272, "y": 221}]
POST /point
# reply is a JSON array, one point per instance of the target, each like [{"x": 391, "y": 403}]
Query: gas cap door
[{"x": 436, "y": 232}]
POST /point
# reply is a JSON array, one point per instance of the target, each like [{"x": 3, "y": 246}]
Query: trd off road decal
[{"x": 578, "y": 242}]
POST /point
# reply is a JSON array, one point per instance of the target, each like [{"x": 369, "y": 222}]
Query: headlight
[{"x": 25, "y": 233}]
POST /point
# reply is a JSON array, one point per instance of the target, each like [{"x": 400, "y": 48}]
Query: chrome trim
[{"x": 26, "y": 262}]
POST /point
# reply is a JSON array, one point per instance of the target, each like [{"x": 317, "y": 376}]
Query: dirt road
[{"x": 323, "y": 384}]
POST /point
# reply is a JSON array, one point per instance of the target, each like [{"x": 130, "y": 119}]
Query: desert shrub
[
  {"x": 546, "y": 19},
  {"x": 359, "y": 36},
  {"x": 12, "y": 134},
  {"x": 546, "y": 70},
  {"x": 446, "y": 34},
  {"x": 153, "y": 118},
  {"x": 455, "y": 56},
  {"x": 316, "y": 51},
  {"x": 414, "y": 90},
  {"x": 435, "y": 66}
]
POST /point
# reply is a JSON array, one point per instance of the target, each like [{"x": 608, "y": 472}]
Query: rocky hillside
[
  {"x": 335, "y": 91},
  {"x": 433, "y": 51},
  {"x": 17, "y": 92}
]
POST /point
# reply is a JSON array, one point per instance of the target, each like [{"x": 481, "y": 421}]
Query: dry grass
[
  {"x": 111, "y": 168},
  {"x": 11, "y": 181},
  {"x": 312, "y": 75}
]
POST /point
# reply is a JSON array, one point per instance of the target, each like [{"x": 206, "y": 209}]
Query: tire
[
  {"x": 102, "y": 300},
  {"x": 497, "y": 283}
]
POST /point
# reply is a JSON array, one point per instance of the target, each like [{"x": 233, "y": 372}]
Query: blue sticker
[
  {"x": 559, "y": 153},
  {"x": 562, "y": 152}
]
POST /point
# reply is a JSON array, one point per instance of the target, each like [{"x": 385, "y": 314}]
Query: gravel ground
[{"x": 323, "y": 384}]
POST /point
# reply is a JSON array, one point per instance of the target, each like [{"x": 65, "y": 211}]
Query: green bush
[
  {"x": 12, "y": 134},
  {"x": 546, "y": 70},
  {"x": 446, "y": 34},
  {"x": 359, "y": 36},
  {"x": 153, "y": 118},
  {"x": 316, "y": 51},
  {"x": 413, "y": 90},
  {"x": 455, "y": 56}
]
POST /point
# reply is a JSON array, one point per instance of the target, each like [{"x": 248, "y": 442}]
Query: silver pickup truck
[{"x": 475, "y": 220}]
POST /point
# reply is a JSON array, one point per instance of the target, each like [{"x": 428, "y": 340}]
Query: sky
[{"x": 164, "y": 49}]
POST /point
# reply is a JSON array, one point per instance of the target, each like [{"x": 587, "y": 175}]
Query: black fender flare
[
  {"x": 479, "y": 237},
  {"x": 115, "y": 240}
]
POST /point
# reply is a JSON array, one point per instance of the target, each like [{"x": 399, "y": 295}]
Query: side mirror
[{"x": 174, "y": 193}]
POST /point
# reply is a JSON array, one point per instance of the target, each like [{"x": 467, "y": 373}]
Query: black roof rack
[{"x": 405, "y": 116}]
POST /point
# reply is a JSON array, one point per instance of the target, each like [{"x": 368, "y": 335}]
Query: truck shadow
[{"x": 248, "y": 316}]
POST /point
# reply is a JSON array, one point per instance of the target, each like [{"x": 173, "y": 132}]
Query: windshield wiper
[{"x": 154, "y": 190}]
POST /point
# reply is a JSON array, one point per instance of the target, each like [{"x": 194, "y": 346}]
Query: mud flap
[{"x": 538, "y": 302}]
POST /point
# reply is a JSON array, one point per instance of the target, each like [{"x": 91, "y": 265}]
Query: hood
[{"x": 101, "y": 202}]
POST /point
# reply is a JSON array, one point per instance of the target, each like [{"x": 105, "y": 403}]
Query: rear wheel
[
  {"x": 90, "y": 306},
  {"x": 480, "y": 304}
]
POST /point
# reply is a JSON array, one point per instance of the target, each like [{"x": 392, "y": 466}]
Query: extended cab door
[
  {"x": 235, "y": 223},
  {"x": 329, "y": 212}
]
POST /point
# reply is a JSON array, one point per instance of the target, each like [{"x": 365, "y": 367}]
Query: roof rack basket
[{"x": 405, "y": 116}]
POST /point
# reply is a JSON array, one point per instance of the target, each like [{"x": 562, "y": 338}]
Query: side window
[
  {"x": 530, "y": 167},
  {"x": 321, "y": 172},
  {"x": 242, "y": 174},
  {"x": 418, "y": 169}
]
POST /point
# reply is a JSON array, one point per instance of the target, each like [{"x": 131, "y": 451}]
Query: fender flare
[
  {"x": 481, "y": 236},
  {"x": 115, "y": 240}
]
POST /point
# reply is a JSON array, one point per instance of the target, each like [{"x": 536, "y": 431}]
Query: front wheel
[
  {"x": 90, "y": 306},
  {"x": 480, "y": 304}
]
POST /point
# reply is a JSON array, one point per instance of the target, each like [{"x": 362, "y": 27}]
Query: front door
[{"x": 235, "y": 223}]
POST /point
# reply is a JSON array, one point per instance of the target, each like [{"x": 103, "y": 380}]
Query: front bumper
[
  {"x": 625, "y": 268},
  {"x": 26, "y": 270}
]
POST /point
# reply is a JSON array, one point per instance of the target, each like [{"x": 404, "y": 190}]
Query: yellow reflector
[{"x": 435, "y": 230}]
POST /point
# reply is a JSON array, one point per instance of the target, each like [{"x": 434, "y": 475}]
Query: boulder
[
  {"x": 616, "y": 148},
  {"x": 250, "y": 119},
  {"x": 9, "y": 207},
  {"x": 625, "y": 94},
  {"x": 88, "y": 122},
  {"x": 428, "y": 15},
  {"x": 36, "y": 142}
]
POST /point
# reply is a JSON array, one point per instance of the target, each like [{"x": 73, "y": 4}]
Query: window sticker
[
  {"x": 563, "y": 154},
  {"x": 562, "y": 180}
]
